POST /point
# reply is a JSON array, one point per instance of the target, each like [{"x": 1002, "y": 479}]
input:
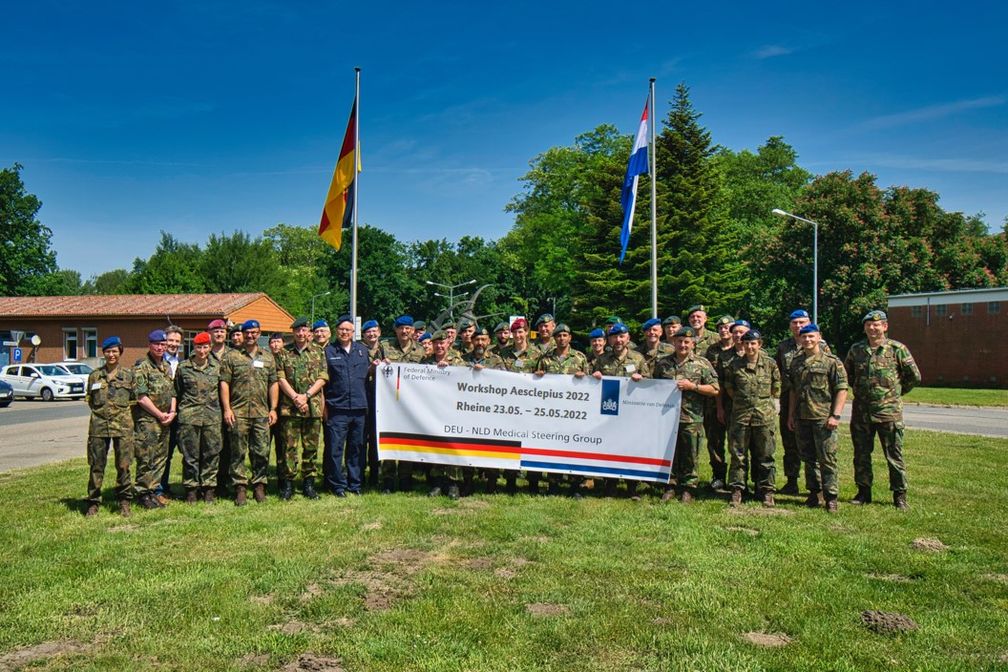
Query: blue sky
[{"x": 204, "y": 117}]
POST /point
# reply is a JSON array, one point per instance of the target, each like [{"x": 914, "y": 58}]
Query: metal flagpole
[
  {"x": 654, "y": 206},
  {"x": 356, "y": 186}
]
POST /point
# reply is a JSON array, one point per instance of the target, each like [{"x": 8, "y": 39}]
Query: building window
[
  {"x": 916, "y": 311},
  {"x": 941, "y": 310},
  {"x": 69, "y": 344},
  {"x": 993, "y": 307},
  {"x": 967, "y": 309},
  {"x": 90, "y": 343}
]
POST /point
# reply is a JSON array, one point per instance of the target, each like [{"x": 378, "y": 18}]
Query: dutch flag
[{"x": 637, "y": 166}]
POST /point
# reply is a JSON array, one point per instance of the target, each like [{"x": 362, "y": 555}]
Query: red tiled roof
[{"x": 125, "y": 305}]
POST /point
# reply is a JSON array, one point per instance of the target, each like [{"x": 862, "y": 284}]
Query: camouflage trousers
[
  {"x": 716, "y": 433},
  {"x": 890, "y": 436},
  {"x": 792, "y": 456},
  {"x": 201, "y": 448},
  {"x": 97, "y": 456},
  {"x": 684, "y": 463},
  {"x": 300, "y": 439},
  {"x": 250, "y": 436},
  {"x": 396, "y": 469},
  {"x": 150, "y": 443},
  {"x": 818, "y": 445},
  {"x": 755, "y": 442}
]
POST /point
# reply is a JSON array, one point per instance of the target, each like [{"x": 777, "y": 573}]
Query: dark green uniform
[
  {"x": 573, "y": 362},
  {"x": 624, "y": 366},
  {"x": 691, "y": 417},
  {"x": 299, "y": 431},
  {"x": 153, "y": 380},
  {"x": 753, "y": 387},
  {"x": 520, "y": 361},
  {"x": 660, "y": 350},
  {"x": 815, "y": 381},
  {"x": 487, "y": 360},
  {"x": 413, "y": 352},
  {"x": 249, "y": 377},
  {"x": 705, "y": 340},
  {"x": 786, "y": 352},
  {"x": 879, "y": 377},
  {"x": 715, "y": 429},
  {"x": 224, "y": 459},
  {"x": 110, "y": 397},
  {"x": 199, "y": 418}
]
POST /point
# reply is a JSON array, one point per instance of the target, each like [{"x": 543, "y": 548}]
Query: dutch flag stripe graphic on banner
[{"x": 637, "y": 166}]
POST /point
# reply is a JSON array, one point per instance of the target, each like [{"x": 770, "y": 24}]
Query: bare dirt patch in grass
[
  {"x": 512, "y": 569},
  {"x": 768, "y": 640},
  {"x": 446, "y": 511},
  {"x": 312, "y": 590},
  {"x": 760, "y": 511},
  {"x": 887, "y": 622},
  {"x": 388, "y": 576},
  {"x": 18, "y": 658},
  {"x": 928, "y": 545},
  {"x": 474, "y": 504},
  {"x": 478, "y": 564},
  {"x": 293, "y": 627},
  {"x": 309, "y": 662},
  {"x": 262, "y": 599},
  {"x": 254, "y": 660},
  {"x": 546, "y": 609}
]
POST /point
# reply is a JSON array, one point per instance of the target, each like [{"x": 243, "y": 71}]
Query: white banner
[{"x": 612, "y": 427}]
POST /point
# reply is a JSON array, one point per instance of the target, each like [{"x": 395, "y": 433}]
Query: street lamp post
[
  {"x": 815, "y": 258},
  {"x": 451, "y": 293},
  {"x": 313, "y": 304}
]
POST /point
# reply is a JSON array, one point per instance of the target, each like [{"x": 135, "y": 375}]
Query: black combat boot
[
  {"x": 286, "y": 490},
  {"x": 308, "y": 488},
  {"x": 863, "y": 496},
  {"x": 899, "y": 500}
]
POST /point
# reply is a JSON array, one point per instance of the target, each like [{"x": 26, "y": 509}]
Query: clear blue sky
[{"x": 204, "y": 117}]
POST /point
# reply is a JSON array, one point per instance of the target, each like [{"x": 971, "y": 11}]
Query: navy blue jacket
[{"x": 346, "y": 389}]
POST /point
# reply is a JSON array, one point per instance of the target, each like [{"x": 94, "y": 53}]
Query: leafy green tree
[
  {"x": 174, "y": 268},
  {"x": 110, "y": 282},
  {"x": 64, "y": 282},
  {"x": 25, "y": 242},
  {"x": 238, "y": 263}
]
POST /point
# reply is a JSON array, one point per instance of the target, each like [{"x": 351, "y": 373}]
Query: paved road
[{"x": 37, "y": 432}]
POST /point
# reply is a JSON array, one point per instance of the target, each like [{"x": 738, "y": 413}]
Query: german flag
[{"x": 338, "y": 209}]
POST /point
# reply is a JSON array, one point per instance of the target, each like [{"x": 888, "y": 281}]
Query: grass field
[
  {"x": 405, "y": 582},
  {"x": 952, "y": 396}
]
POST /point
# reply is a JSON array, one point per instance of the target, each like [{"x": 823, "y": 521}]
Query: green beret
[
  {"x": 561, "y": 329},
  {"x": 545, "y": 317},
  {"x": 685, "y": 332},
  {"x": 875, "y": 316},
  {"x": 465, "y": 323},
  {"x": 501, "y": 326},
  {"x": 671, "y": 319},
  {"x": 439, "y": 335},
  {"x": 725, "y": 319},
  {"x": 481, "y": 331},
  {"x": 693, "y": 309},
  {"x": 299, "y": 322}
]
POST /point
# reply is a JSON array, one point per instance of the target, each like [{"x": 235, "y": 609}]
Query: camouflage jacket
[
  {"x": 879, "y": 377},
  {"x": 695, "y": 369},
  {"x": 815, "y": 380},
  {"x": 249, "y": 378},
  {"x": 787, "y": 350},
  {"x": 707, "y": 339},
  {"x": 111, "y": 399},
  {"x": 301, "y": 370},
  {"x": 609, "y": 364},
  {"x": 198, "y": 392},
  {"x": 488, "y": 361},
  {"x": 451, "y": 358},
  {"x": 753, "y": 388},
  {"x": 414, "y": 352},
  {"x": 571, "y": 363},
  {"x": 660, "y": 350},
  {"x": 524, "y": 361},
  {"x": 712, "y": 352},
  {"x": 153, "y": 380}
]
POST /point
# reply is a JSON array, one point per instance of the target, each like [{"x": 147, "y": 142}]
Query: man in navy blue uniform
[{"x": 346, "y": 403}]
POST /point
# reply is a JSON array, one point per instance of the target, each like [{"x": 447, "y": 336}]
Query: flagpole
[
  {"x": 654, "y": 207},
  {"x": 356, "y": 187}
]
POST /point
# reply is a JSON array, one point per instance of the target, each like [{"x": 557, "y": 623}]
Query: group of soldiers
[{"x": 231, "y": 398}]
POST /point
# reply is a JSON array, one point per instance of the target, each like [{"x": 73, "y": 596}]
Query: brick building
[
  {"x": 955, "y": 336},
  {"x": 71, "y": 328}
]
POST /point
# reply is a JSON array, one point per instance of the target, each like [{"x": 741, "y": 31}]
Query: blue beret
[
  {"x": 742, "y": 323},
  {"x": 344, "y": 318},
  {"x": 809, "y": 328},
  {"x": 370, "y": 324},
  {"x": 250, "y": 324},
  {"x": 653, "y": 322},
  {"x": 319, "y": 324},
  {"x": 801, "y": 312},
  {"x": 404, "y": 321},
  {"x": 752, "y": 335},
  {"x": 111, "y": 342},
  {"x": 596, "y": 333},
  {"x": 426, "y": 336},
  {"x": 157, "y": 336},
  {"x": 618, "y": 328}
]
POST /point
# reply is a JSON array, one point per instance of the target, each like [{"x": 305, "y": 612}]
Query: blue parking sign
[{"x": 17, "y": 354}]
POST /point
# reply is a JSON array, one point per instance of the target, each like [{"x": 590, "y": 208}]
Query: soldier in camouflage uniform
[
  {"x": 521, "y": 356},
  {"x": 371, "y": 338},
  {"x": 301, "y": 374},
  {"x": 881, "y": 371},
  {"x": 444, "y": 478},
  {"x": 502, "y": 337},
  {"x": 653, "y": 346},
  {"x": 110, "y": 398},
  {"x": 752, "y": 382},
  {"x": 670, "y": 325},
  {"x": 715, "y": 429},
  {"x": 402, "y": 348},
  {"x": 197, "y": 388},
  {"x": 466, "y": 330},
  {"x": 596, "y": 345},
  {"x": 321, "y": 333},
  {"x": 218, "y": 347},
  {"x": 622, "y": 362},
  {"x": 786, "y": 352},
  {"x": 237, "y": 340},
  {"x": 545, "y": 325},
  {"x": 152, "y": 417},
  {"x": 817, "y": 384},
  {"x": 480, "y": 357},
  {"x": 697, "y": 318},
  {"x": 696, "y": 380},
  {"x": 249, "y": 396},
  {"x": 419, "y": 329}
]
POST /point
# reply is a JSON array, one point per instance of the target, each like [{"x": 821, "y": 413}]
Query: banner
[{"x": 612, "y": 427}]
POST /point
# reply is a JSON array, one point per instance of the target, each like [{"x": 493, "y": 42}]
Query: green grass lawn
[
  {"x": 405, "y": 582},
  {"x": 953, "y": 396}
]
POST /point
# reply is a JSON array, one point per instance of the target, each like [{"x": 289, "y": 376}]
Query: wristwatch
[{"x": 835, "y": 416}]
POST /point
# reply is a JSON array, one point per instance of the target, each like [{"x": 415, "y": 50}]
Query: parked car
[
  {"x": 6, "y": 394},
  {"x": 48, "y": 381},
  {"x": 77, "y": 368}
]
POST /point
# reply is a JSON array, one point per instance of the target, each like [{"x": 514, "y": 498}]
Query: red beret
[{"x": 201, "y": 338}]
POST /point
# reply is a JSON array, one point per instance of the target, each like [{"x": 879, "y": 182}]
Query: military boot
[
  {"x": 899, "y": 500},
  {"x": 286, "y": 490},
  {"x": 190, "y": 496},
  {"x": 92, "y": 510},
  {"x": 148, "y": 502},
  {"x": 467, "y": 483},
  {"x": 736, "y": 497},
  {"x": 668, "y": 495},
  {"x": 863, "y": 496},
  {"x": 453, "y": 491},
  {"x": 209, "y": 496},
  {"x": 124, "y": 508},
  {"x": 812, "y": 501},
  {"x": 259, "y": 492},
  {"x": 791, "y": 487},
  {"x": 832, "y": 506},
  {"x": 686, "y": 496},
  {"x": 388, "y": 486},
  {"x": 768, "y": 500},
  {"x": 240, "y": 498},
  {"x": 308, "y": 488}
]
